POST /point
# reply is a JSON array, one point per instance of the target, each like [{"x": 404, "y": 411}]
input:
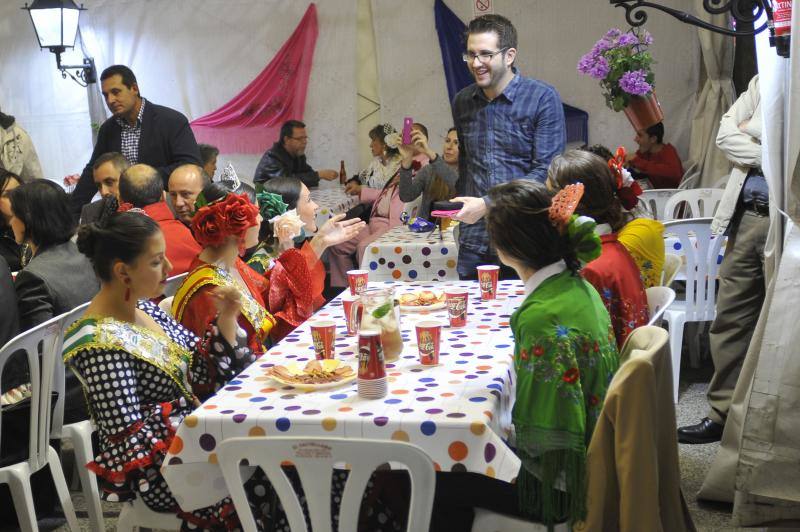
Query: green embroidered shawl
[{"x": 565, "y": 356}]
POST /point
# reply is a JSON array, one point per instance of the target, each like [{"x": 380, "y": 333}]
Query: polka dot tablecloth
[
  {"x": 331, "y": 200},
  {"x": 458, "y": 412},
  {"x": 402, "y": 255}
]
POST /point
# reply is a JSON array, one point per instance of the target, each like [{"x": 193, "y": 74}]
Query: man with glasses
[
  {"x": 510, "y": 127},
  {"x": 287, "y": 158}
]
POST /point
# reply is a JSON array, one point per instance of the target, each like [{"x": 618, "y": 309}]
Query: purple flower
[
  {"x": 613, "y": 33},
  {"x": 628, "y": 39},
  {"x": 602, "y": 45},
  {"x": 645, "y": 38},
  {"x": 594, "y": 65},
  {"x": 635, "y": 83}
]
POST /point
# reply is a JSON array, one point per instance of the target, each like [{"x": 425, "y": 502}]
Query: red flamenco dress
[{"x": 616, "y": 278}]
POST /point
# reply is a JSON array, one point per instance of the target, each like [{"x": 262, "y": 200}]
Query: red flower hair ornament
[
  {"x": 627, "y": 189},
  {"x": 230, "y": 216}
]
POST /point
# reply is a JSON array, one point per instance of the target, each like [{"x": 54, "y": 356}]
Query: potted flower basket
[{"x": 623, "y": 65}]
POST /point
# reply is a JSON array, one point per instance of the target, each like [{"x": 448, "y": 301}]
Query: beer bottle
[{"x": 342, "y": 174}]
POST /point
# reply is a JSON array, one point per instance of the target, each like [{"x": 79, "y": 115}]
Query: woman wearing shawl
[
  {"x": 614, "y": 273},
  {"x": 641, "y": 236},
  {"x": 137, "y": 365},
  {"x": 289, "y": 215},
  {"x": 224, "y": 225},
  {"x": 564, "y": 357}
]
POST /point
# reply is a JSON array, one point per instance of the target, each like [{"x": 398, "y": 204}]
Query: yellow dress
[{"x": 644, "y": 240}]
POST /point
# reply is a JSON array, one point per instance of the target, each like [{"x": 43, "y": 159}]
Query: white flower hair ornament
[{"x": 393, "y": 140}]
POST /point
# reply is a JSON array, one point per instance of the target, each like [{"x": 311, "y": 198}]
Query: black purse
[{"x": 16, "y": 422}]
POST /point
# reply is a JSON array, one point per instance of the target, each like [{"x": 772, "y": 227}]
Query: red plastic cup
[
  {"x": 456, "y": 301},
  {"x": 429, "y": 334},
  {"x": 352, "y": 314},
  {"x": 371, "y": 365},
  {"x": 357, "y": 279},
  {"x": 323, "y": 334},
  {"x": 487, "y": 279}
]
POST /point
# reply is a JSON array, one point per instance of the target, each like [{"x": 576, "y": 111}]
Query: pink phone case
[
  {"x": 407, "y": 123},
  {"x": 444, "y": 214}
]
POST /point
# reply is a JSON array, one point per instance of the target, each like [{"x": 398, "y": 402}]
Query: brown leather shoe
[{"x": 706, "y": 431}]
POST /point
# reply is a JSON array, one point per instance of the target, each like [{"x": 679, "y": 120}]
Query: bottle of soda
[{"x": 342, "y": 174}]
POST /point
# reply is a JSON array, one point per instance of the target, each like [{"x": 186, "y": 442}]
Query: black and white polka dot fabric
[{"x": 137, "y": 408}]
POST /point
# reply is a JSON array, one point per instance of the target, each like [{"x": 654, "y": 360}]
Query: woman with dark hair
[
  {"x": 614, "y": 274},
  {"x": 15, "y": 255},
  {"x": 564, "y": 358},
  {"x": 58, "y": 278},
  {"x": 138, "y": 365},
  {"x": 289, "y": 216},
  {"x": 380, "y": 194},
  {"x": 437, "y": 180}
]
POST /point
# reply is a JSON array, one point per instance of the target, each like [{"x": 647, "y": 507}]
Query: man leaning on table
[
  {"x": 743, "y": 215},
  {"x": 287, "y": 158},
  {"x": 509, "y": 127}
]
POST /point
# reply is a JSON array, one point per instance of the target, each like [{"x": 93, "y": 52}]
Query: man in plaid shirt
[{"x": 509, "y": 127}]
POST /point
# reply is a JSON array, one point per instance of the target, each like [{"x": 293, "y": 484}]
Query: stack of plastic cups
[{"x": 371, "y": 367}]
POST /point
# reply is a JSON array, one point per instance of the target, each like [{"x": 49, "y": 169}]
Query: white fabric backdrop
[
  {"x": 186, "y": 58},
  {"x": 553, "y": 34},
  {"x": 191, "y": 55}
]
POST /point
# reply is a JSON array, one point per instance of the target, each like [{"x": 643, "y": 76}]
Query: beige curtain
[
  {"x": 758, "y": 464},
  {"x": 717, "y": 94}
]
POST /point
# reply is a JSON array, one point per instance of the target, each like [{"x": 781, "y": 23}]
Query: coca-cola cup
[
  {"x": 323, "y": 334},
  {"x": 487, "y": 279},
  {"x": 357, "y": 279},
  {"x": 429, "y": 334},
  {"x": 371, "y": 368},
  {"x": 456, "y": 301},
  {"x": 352, "y": 313}
]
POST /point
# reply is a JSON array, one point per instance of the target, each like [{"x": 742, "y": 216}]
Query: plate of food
[
  {"x": 421, "y": 300},
  {"x": 315, "y": 375}
]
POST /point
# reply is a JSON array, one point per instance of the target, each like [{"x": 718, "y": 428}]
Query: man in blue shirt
[{"x": 509, "y": 127}]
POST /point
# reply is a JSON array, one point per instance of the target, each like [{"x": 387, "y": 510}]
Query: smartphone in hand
[{"x": 407, "y": 123}]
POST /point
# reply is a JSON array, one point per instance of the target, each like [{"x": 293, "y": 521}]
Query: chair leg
[
  {"x": 82, "y": 444},
  {"x": 22, "y": 496},
  {"x": 62, "y": 489},
  {"x": 676, "y": 323},
  {"x": 126, "y": 516}
]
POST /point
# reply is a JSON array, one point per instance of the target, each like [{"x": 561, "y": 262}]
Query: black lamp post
[{"x": 56, "y": 25}]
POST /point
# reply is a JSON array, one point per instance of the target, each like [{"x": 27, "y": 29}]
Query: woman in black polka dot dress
[{"x": 137, "y": 365}]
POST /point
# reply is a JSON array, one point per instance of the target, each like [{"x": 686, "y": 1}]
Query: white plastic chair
[
  {"x": 314, "y": 459},
  {"x": 655, "y": 200},
  {"x": 80, "y": 433},
  {"x": 672, "y": 265},
  {"x": 659, "y": 298},
  {"x": 137, "y": 514},
  {"x": 172, "y": 284},
  {"x": 41, "y": 345},
  {"x": 166, "y": 304},
  {"x": 701, "y": 251},
  {"x": 700, "y": 203}
]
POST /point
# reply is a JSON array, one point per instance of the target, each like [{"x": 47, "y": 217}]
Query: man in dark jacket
[
  {"x": 287, "y": 158},
  {"x": 139, "y": 129}
]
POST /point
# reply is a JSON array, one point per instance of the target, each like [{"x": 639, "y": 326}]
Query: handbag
[{"x": 16, "y": 421}]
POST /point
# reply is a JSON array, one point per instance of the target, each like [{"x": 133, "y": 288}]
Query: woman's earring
[{"x": 127, "y": 289}]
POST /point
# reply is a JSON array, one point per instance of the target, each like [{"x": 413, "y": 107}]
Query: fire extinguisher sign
[
  {"x": 782, "y": 13},
  {"x": 482, "y": 7}
]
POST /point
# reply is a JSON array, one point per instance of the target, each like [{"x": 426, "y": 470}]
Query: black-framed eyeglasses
[{"x": 483, "y": 57}]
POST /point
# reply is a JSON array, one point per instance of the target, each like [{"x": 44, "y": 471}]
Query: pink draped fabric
[{"x": 249, "y": 123}]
